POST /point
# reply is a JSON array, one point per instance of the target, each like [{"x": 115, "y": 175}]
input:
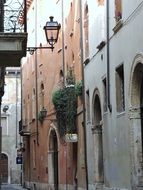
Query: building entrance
[{"x": 4, "y": 168}]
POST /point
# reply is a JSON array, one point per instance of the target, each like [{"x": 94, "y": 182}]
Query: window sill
[{"x": 120, "y": 114}]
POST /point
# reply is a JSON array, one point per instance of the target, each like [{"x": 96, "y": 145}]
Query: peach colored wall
[{"x": 48, "y": 72}]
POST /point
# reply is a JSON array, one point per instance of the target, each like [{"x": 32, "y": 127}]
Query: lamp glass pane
[{"x": 52, "y": 35}]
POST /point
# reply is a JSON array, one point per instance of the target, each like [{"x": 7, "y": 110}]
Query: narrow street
[
  {"x": 12, "y": 187},
  {"x": 71, "y": 95}
]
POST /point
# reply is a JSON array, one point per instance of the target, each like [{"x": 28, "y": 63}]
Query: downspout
[
  {"x": 21, "y": 81},
  {"x": 16, "y": 111},
  {"x": 108, "y": 57},
  {"x": 83, "y": 93},
  {"x": 1, "y": 30},
  {"x": 36, "y": 76},
  {"x": 63, "y": 43},
  {"x": 0, "y": 144},
  {"x": 63, "y": 65},
  {"x": 25, "y": 16},
  {"x": 2, "y": 78}
]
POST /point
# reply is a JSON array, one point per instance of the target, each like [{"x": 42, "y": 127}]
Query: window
[
  {"x": 86, "y": 40},
  {"x": 34, "y": 154},
  {"x": 88, "y": 105},
  {"x": 118, "y": 10},
  {"x": 100, "y": 2},
  {"x": 28, "y": 111},
  {"x": 41, "y": 96},
  {"x": 33, "y": 104},
  {"x": 120, "y": 101},
  {"x": 24, "y": 113},
  {"x": 4, "y": 124},
  {"x": 105, "y": 95}
]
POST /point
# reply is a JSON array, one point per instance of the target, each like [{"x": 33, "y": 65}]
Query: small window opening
[{"x": 120, "y": 99}]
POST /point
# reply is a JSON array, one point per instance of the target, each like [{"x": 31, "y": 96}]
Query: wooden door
[{"x": 4, "y": 168}]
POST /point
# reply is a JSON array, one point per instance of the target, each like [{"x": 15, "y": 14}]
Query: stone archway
[
  {"x": 136, "y": 121},
  {"x": 98, "y": 139},
  {"x": 53, "y": 160}
]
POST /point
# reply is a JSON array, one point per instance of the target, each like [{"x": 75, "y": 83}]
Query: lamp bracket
[{"x": 31, "y": 50}]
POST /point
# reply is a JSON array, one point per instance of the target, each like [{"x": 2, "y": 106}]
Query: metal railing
[{"x": 14, "y": 16}]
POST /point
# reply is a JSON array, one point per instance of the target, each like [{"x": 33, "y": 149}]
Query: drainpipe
[
  {"x": 25, "y": 16},
  {"x": 1, "y": 30},
  {"x": 64, "y": 72},
  {"x": 108, "y": 57},
  {"x": 16, "y": 111},
  {"x": 83, "y": 92},
  {"x": 36, "y": 75},
  {"x": 0, "y": 143},
  {"x": 63, "y": 43},
  {"x": 21, "y": 176}
]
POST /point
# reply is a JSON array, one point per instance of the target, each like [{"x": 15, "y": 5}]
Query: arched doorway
[
  {"x": 98, "y": 140},
  {"x": 53, "y": 160},
  {"x": 136, "y": 121},
  {"x": 4, "y": 168}
]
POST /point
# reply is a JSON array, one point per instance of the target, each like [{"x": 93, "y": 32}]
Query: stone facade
[
  {"x": 120, "y": 89},
  {"x": 113, "y": 81},
  {"x": 11, "y": 109}
]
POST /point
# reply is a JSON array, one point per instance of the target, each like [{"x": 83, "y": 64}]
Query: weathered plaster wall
[
  {"x": 10, "y": 120},
  {"x": 117, "y": 128}
]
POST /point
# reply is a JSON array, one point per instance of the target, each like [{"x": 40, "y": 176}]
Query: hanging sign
[{"x": 19, "y": 160}]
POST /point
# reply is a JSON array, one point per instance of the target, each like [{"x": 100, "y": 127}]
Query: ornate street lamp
[
  {"x": 52, "y": 32},
  {"x": 42, "y": 114}
]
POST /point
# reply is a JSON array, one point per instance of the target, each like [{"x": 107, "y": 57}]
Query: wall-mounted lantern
[
  {"x": 42, "y": 114},
  {"x": 52, "y": 32}
]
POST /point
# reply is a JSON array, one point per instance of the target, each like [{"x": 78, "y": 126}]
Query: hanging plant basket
[{"x": 65, "y": 103}]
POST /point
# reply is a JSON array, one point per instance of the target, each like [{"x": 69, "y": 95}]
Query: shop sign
[{"x": 19, "y": 160}]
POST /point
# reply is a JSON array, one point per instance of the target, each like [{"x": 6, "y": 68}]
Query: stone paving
[{"x": 12, "y": 187}]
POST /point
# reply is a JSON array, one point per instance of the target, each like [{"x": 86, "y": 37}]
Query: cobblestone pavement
[{"x": 12, "y": 187}]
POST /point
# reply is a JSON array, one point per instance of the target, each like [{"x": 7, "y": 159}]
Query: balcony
[
  {"x": 12, "y": 48},
  {"x": 23, "y": 130},
  {"x": 13, "y": 35}
]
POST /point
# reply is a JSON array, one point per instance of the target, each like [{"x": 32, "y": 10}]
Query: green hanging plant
[
  {"x": 58, "y": 100},
  {"x": 65, "y": 103},
  {"x": 78, "y": 88}
]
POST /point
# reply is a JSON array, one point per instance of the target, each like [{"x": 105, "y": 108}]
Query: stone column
[{"x": 98, "y": 152}]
